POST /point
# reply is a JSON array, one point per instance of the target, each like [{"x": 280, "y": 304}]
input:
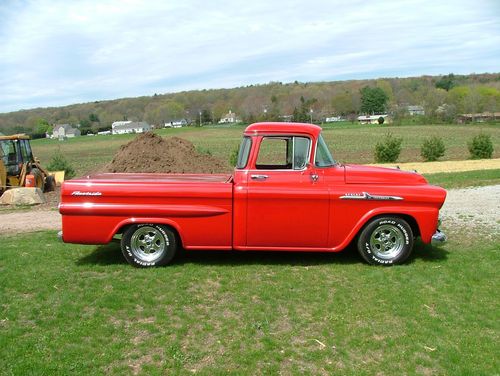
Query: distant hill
[{"x": 461, "y": 93}]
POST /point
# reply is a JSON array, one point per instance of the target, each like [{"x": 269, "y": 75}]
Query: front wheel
[
  {"x": 386, "y": 241},
  {"x": 148, "y": 245}
]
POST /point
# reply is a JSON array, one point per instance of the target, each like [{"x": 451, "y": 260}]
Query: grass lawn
[
  {"x": 350, "y": 143},
  {"x": 73, "y": 309},
  {"x": 464, "y": 179}
]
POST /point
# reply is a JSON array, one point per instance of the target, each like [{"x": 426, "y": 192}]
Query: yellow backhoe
[{"x": 17, "y": 163}]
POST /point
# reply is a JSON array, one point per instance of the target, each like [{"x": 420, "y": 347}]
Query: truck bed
[{"x": 198, "y": 205}]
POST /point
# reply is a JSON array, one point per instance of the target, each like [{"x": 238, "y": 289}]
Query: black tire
[
  {"x": 37, "y": 174},
  {"x": 386, "y": 241},
  {"x": 50, "y": 183},
  {"x": 148, "y": 245}
]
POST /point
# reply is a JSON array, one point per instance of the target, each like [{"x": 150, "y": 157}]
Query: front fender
[{"x": 426, "y": 219}]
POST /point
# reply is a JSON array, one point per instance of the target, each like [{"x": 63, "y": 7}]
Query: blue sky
[{"x": 61, "y": 52}]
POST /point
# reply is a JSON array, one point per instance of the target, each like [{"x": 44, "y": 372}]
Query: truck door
[{"x": 288, "y": 200}]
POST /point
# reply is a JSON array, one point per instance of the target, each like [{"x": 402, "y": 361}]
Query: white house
[
  {"x": 62, "y": 131},
  {"x": 230, "y": 117},
  {"x": 415, "y": 110},
  {"x": 119, "y": 123},
  {"x": 373, "y": 119},
  {"x": 130, "y": 127}
]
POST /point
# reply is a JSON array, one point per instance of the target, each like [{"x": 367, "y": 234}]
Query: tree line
[{"x": 442, "y": 97}]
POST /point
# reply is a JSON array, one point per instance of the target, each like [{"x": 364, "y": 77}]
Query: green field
[
  {"x": 73, "y": 309},
  {"x": 350, "y": 143}
]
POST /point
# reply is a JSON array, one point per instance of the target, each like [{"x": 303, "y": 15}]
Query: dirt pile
[{"x": 152, "y": 153}]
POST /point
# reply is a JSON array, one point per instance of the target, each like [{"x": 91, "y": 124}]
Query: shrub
[
  {"x": 481, "y": 147},
  {"x": 381, "y": 120},
  {"x": 233, "y": 158},
  {"x": 60, "y": 163},
  {"x": 432, "y": 149},
  {"x": 388, "y": 151}
]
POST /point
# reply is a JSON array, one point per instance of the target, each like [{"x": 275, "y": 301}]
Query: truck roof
[{"x": 282, "y": 128}]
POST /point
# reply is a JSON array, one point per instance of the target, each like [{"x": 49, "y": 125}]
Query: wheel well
[
  {"x": 408, "y": 218},
  {"x": 124, "y": 228}
]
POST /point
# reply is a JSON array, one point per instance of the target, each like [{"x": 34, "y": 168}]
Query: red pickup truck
[{"x": 287, "y": 193}]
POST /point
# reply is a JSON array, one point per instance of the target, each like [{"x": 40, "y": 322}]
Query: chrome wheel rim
[
  {"x": 387, "y": 242},
  {"x": 147, "y": 243}
]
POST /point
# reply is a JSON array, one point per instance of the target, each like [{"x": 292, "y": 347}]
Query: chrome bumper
[{"x": 439, "y": 238}]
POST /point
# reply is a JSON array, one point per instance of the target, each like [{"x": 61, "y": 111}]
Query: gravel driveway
[
  {"x": 470, "y": 207},
  {"x": 476, "y": 207}
]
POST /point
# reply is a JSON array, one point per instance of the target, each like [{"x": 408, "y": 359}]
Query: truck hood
[{"x": 357, "y": 174}]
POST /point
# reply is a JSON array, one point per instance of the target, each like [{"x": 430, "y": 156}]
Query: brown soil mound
[{"x": 152, "y": 153}]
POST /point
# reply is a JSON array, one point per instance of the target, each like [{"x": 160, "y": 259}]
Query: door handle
[
  {"x": 259, "y": 177},
  {"x": 314, "y": 177}
]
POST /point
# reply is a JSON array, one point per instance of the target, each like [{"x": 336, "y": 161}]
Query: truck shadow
[{"x": 111, "y": 255}]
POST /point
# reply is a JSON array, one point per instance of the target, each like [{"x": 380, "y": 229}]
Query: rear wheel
[
  {"x": 386, "y": 241},
  {"x": 148, "y": 245}
]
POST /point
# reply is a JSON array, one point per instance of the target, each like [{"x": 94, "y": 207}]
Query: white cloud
[{"x": 59, "y": 52}]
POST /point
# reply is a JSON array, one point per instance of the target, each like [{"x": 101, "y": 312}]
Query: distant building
[
  {"x": 120, "y": 123},
  {"x": 176, "y": 123},
  {"x": 230, "y": 117},
  {"x": 373, "y": 119},
  {"x": 62, "y": 131},
  {"x": 478, "y": 117},
  {"x": 415, "y": 110},
  {"x": 286, "y": 118},
  {"x": 333, "y": 119},
  {"x": 130, "y": 127}
]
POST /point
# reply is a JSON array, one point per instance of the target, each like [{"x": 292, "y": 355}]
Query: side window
[
  {"x": 4, "y": 151},
  {"x": 28, "y": 150},
  {"x": 24, "y": 151},
  {"x": 301, "y": 152},
  {"x": 279, "y": 153}
]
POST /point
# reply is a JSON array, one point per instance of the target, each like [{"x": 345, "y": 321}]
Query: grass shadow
[
  {"x": 427, "y": 253},
  {"x": 237, "y": 258},
  {"x": 110, "y": 254}
]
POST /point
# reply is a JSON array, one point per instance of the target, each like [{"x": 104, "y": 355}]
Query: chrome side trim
[{"x": 367, "y": 196}]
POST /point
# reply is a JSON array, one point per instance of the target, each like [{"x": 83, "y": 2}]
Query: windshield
[{"x": 323, "y": 156}]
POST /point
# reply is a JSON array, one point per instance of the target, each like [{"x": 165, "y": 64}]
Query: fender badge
[
  {"x": 367, "y": 196},
  {"x": 79, "y": 193}
]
